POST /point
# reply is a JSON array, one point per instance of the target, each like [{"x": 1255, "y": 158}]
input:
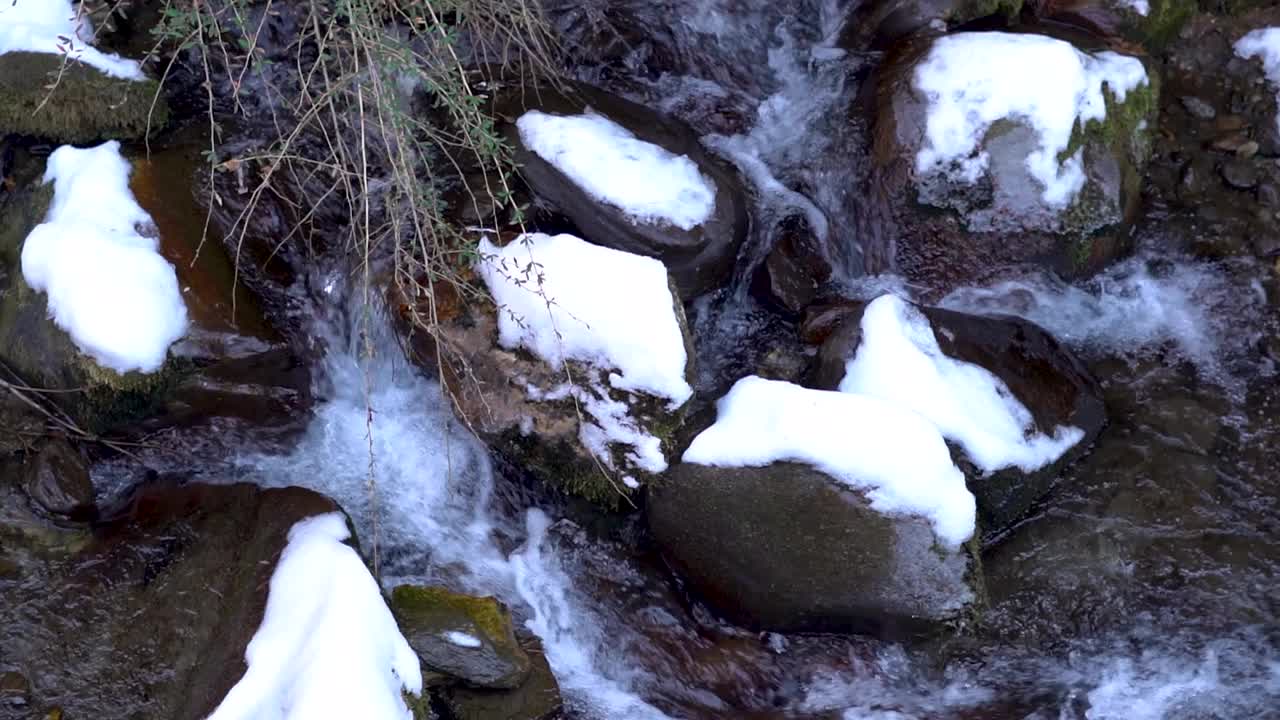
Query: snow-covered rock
[
  {"x": 629, "y": 178},
  {"x": 995, "y": 149},
  {"x": 580, "y": 371},
  {"x": 1264, "y": 44},
  {"x": 107, "y": 284},
  {"x": 1015, "y": 404},
  {"x": 328, "y": 645},
  {"x": 55, "y": 27}
]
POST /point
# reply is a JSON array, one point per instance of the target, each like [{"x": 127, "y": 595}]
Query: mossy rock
[
  {"x": 429, "y": 615},
  {"x": 85, "y": 104},
  {"x": 538, "y": 698},
  {"x": 44, "y": 355}
]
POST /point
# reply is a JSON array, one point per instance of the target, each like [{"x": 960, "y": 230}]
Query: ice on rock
[
  {"x": 53, "y": 26},
  {"x": 612, "y": 165},
  {"x": 896, "y": 456},
  {"x": 972, "y": 80},
  {"x": 328, "y": 647},
  {"x": 107, "y": 284},
  {"x": 899, "y": 361}
]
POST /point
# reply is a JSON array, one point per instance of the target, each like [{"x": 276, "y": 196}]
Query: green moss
[
  {"x": 1163, "y": 21},
  {"x": 83, "y": 106},
  {"x": 416, "y": 602}
]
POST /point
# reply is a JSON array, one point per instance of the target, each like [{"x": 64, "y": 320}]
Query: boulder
[
  {"x": 469, "y": 638},
  {"x": 785, "y": 547},
  {"x": 537, "y": 698},
  {"x": 947, "y": 221},
  {"x": 797, "y": 269},
  {"x": 1119, "y": 19},
  {"x": 878, "y": 25},
  {"x": 83, "y": 104},
  {"x": 151, "y": 614},
  {"x": 700, "y": 258},
  {"x": 1046, "y": 377},
  {"x": 534, "y": 415}
]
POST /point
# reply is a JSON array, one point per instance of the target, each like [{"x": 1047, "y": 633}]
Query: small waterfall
[{"x": 420, "y": 489}]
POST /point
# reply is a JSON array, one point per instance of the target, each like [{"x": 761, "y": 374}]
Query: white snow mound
[
  {"x": 107, "y": 285},
  {"x": 563, "y": 298},
  {"x": 1264, "y": 44},
  {"x": 328, "y": 647},
  {"x": 896, "y": 456},
  {"x": 52, "y": 26},
  {"x": 972, "y": 80},
  {"x": 612, "y": 165},
  {"x": 899, "y": 361}
]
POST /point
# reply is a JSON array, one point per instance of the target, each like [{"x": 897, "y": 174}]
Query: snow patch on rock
[
  {"x": 899, "y": 361},
  {"x": 107, "y": 285},
  {"x": 972, "y": 80},
  {"x": 1264, "y": 44},
  {"x": 896, "y": 456},
  {"x": 52, "y": 26},
  {"x": 328, "y": 647},
  {"x": 612, "y": 165}
]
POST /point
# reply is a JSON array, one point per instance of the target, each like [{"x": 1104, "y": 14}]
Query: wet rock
[
  {"x": 943, "y": 230},
  {"x": 440, "y": 626},
  {"x": 880, "y": 24},
  {"x": 14, "y": 688},
  {"x": 523, "y": 408},
  {"x": 1239, "y": 174},
  {"x": 699, "y": 259},
  {"x": 537, "y": 698},
  {"x": 83, "y": 105},
  {"x": 1117, "y": 22},
  {"x": 1044, "y": 376},
  {"x": 1197, "y": 107},
  {"x": 58, "y": 480},
  {"x": 784, "y": 547},
  {"x": 151, "y": 615},
  {"x": 797, "y": 269}
]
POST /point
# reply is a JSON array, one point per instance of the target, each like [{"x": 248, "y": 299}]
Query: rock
[
  {"x": 156, "y": 609},
  {"x": 1239, "y": 174},
  {"x": 878, "y": 25},
  {"x": 538, "y": 698},
  {"x": 784, "y": 547},
  {"x": 1197, "y": 107},
  {"x": 1247, "y": 150},
  {"x": 941, "y": 231},
  {"x": 86, "y": 104},
  {"x": 699, "y": 259},
  {"x": 796, "y": 269},
  {"x": 1044, "y": 376},
  {"x": 14, "y": 688},
  {"x": 1117, "y": 22},
  {"x": 42, "y": 354},
  {"x": 58, "y": 480},
  {"x": 427, "y": 615},
  {"x": 539, "y": 431}
]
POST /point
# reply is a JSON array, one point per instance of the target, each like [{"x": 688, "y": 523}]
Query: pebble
[
  {"x": 14, "y": 688},
  {"x": 1239, "y": 174},
  {"x": 1230, "y": 123},
  {"x": 1247, "y": 150},
  {"x": 1230, "y": 143},
  {"x": 1197, "y": 107}
]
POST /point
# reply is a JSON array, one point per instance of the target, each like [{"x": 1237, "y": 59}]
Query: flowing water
[{"x": 1146, "y": 589}]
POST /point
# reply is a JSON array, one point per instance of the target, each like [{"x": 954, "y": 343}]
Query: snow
[
  {"x": 972, "y": 80},
  {"x": 107, "y": 285},
  {"x": 461, "y": 639},
  {"x": 1264, "y": 43},
  {"x": 1142, "y": 7},
  {"x": 899, "y": 361},
  {"x": 896, "y": 456},
  {"x": 561, "y": 298},
  {"x": 609, "y": 163},
  {"x": 52, "y": 26},
  {"x": 328, "y": 646}
]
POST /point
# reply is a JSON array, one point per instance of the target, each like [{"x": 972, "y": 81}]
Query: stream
[{"x": 1146, "y": 588}]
